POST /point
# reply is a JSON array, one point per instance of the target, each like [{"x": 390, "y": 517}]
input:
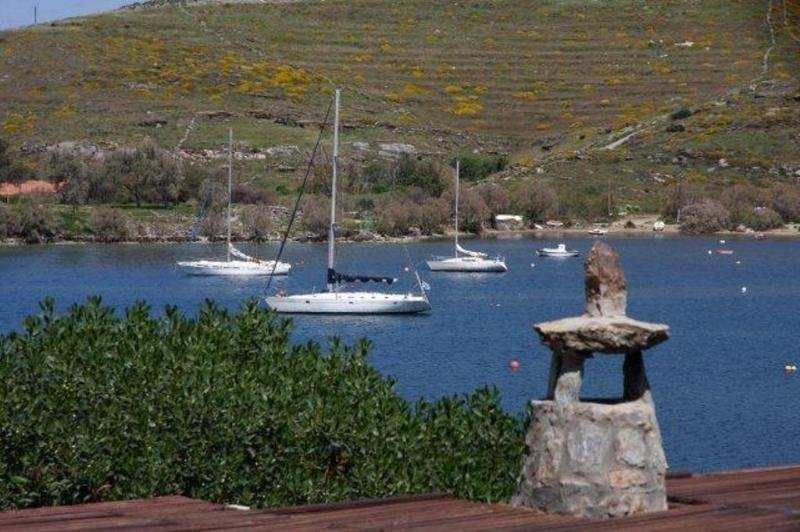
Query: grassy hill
[{"x": 549, "y": 83}]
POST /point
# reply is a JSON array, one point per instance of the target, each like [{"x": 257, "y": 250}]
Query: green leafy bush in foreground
[{"x": 223, "y": 407}]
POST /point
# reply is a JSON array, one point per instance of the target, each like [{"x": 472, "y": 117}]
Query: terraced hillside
[{"x": 538, "y": 80}]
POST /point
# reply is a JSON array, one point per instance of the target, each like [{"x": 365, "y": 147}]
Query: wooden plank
[{"x": 758, "y": 499}]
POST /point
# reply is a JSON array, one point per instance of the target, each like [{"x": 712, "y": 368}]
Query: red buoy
[{"x": 514, "y": 364}]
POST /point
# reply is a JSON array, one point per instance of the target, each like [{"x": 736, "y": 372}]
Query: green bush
[
  {"x": 762, "y": 219},
  {"x": 421, "y": 174},
  {"x": 475, "y": 166},
  {"x": 102, "y": 406}
]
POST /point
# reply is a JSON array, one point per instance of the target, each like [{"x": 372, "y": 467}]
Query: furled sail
[
  {"x": 239, "y": 255},
  {"x": 335, "y": 277},
  {"x": 469, "y": 253}
]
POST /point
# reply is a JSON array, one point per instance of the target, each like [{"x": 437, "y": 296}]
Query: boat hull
[
  {"x": 467, "y": 265},
  {"x": 349, "y": 303},
  {"x": 557, "y": 254},
  {"x": 233, "y": 268}
]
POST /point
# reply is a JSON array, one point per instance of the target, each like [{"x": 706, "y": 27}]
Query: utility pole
[{"x": 35, "y": 15}]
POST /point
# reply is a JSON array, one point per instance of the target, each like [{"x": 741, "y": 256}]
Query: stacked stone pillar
[{"x": 599, "y": 458}]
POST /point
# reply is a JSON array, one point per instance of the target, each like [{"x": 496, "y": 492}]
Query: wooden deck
[{"x": 767, "y": 499}]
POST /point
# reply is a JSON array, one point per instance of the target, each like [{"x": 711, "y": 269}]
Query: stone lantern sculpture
[{"x": 598, "y": 458}]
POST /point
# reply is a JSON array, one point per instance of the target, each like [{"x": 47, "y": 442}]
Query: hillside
[{"x": 545, "y": 83}]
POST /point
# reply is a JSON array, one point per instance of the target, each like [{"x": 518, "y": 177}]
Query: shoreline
[{"x": 790, "y": 231}]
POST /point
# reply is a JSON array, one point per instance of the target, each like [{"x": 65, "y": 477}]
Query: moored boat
[
  {"x": 559, "y": 251},
  {"x": 246, "y": 265},
  {"x": 465, "y": 260},
  {"x": 334, "y": 300}
]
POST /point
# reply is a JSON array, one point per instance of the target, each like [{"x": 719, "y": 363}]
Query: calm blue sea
[{"x": 723, "y": 398}]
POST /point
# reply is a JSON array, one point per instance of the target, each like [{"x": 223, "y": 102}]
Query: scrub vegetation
[
  {"x": 99, "y": 405},
  {"x": 526, "y": 95}
]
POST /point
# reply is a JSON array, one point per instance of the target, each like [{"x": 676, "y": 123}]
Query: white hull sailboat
[
  {"x": 246, "y": 265},
  {"x": 349, "y": 303},
  {"x": 235, "y": 267},
  {"x": 336, "y": 301},
  {"x": 464, "y": 259}
]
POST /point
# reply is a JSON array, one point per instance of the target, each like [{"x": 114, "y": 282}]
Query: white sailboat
[
  {"x": 245, "y": 265},
  {"x": 335, "y": 301},
  {"x": 464, "y": 259}
]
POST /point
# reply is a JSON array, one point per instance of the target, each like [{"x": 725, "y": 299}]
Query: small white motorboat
[
  {"x": 659, "y": 226},
  {"x": 597, "y": 231},
  {"x": 560, "y": 251}
]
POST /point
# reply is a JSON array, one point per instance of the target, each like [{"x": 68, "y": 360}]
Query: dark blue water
[{"x": 723, "y": 398}]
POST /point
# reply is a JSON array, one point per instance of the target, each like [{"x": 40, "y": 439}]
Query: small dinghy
[
  {"x": 723, "y": 251},
  {"x": 597, "y": 231},
  {"x": 560, "y": 251}
]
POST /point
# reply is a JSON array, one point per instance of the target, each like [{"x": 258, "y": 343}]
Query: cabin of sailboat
[
  {"x": 335, "y": 300},
  {"x": 245, "y": 265},
  {"x": 465, "y": 260}
]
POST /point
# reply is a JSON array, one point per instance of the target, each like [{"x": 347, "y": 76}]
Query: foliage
[
  {"x": 741, "y": 200},
  {"x": 785, "y": 200},
  {"x": 473, "y": 214},
  {"x": 11, "y": 171},
  {"x": 704, "y": 217},
  {"x": 256, "y": 222},
  {"x": 682, "y": 195},
  {"x": 244, "y": 194},
  {"x": 762, "y": 219},
  {"x": 396, "y": 216},
  {"x": 105, "y": 406},
  {"x": 495, "y": 197},
  {"x": 146, "y": 173},
  {"x": 475, "y": 166},
  {"x": 9, "y": 222},
  {"x": 214, "y": 225},
  {"x": 412, "y": 172},
  {"x": 109, "y": 225},
  {"x": 71, "y": 174},
  {"x": 536, "y": 201},
  {"x": 37, "y": 225},
  {"x": 5, "y": 159},
  {"x": 317, "y": 215}
]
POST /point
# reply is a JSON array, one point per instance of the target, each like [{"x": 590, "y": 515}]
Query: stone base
[{"x": 593, "y": 460}]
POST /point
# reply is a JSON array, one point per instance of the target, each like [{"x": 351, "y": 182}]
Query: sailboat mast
[
  {"x": 457, "y": 190},
  {"x": 332, "y": 227},
  {"x": 230, "y": 187}
]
